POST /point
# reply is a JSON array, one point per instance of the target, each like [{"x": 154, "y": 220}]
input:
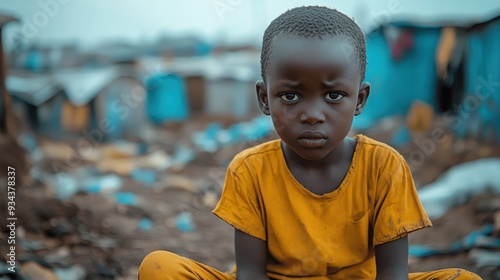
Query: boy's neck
[
  {"x": 341, "y": 155},
  {"x": 326, "y": 175}
]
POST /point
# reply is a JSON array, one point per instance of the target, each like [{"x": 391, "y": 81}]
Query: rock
[
  {"x": 75, "y": 272},
  {"x": 60, "y": 256},
  {"x": 484, "y": 258},
  {"x": 210, "y": 199},
  {"x": 56, "y": 151},
  {"x": 105, "y": 243},
  {"x": 459, "y": 184},
  {"x": 34, "y": 271},
  {"x": 496, "y": 224},
  {"x": 158, "y": 160},
  {"x": 419, "y": 117},
  {"x": 181, "y": 182},
  {"x": 121, "y": 166},
  {"x": 491, "y": 204}
]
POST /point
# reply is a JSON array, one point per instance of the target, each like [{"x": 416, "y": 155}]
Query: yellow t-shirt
[{"x": 330, "y": 236}]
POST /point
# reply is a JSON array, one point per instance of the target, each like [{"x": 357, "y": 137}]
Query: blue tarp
[
  {"x": 481, "y": 104},
  {"x": 166, "y": 99},
  {"x": 397, "y": 83}
]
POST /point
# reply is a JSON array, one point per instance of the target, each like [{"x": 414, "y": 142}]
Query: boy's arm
[
  {"x": 251, "y": 254},
  {"x": 392, "y": 259}
]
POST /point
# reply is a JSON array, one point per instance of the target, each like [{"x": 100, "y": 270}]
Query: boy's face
[{"x": 312, "y": 93}]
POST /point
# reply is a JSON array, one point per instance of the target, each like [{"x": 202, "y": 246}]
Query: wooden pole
[
  {"x": 3, "y": 89},
  {"x": 6, "y": 125}
]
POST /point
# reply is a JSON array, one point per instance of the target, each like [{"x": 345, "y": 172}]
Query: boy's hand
[
  {"x": 392, "y": 259},
  {"x": 251, "y": 256}
]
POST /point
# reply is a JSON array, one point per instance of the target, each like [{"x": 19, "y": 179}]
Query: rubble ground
[{"x": 104, "y": 234}]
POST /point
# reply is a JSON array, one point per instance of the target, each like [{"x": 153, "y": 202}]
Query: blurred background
[{"x": 120, "y": 117}]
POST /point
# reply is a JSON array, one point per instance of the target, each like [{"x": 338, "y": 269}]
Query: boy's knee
[
  {"x": 160, "y": 265},
  {"x": 457, "y": 274}
]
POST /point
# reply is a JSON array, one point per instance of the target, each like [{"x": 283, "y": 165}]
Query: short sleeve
[
  {"x": 241, "y": 204},
  {"x": 398, "y": 210}
]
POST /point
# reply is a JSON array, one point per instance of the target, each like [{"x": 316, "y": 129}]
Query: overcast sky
[{"x": 90, "y": 22}]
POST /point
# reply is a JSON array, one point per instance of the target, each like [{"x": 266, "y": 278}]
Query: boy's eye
[
  {"x": 334, "y": 96},
  {"x": 290, "y": 96}
]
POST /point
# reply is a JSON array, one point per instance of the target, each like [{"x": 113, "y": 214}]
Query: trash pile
[
  {"x": 459, "y": 185},
  {"x": 215, "y": 137},
  {"x": 88, "y": 200}
]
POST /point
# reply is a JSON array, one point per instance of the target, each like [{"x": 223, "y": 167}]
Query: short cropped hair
[{"x": 314, "y": 22}]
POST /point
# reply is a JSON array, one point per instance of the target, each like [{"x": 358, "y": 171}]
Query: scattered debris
[
  {"x": 420, "y": 117},
  {"x": 484, "y": 258},
  {"x": 474, "y": 239},
  {"x": 459, "y": 184},
  {"x": 184, "y": 222},
  {"x": 33, "y": 270},
  {"x": 74, "y": 272},
  {"x": 145, "y": 224}
]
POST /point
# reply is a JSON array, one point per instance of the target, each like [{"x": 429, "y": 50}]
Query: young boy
[{"x": 315, "y": 204}]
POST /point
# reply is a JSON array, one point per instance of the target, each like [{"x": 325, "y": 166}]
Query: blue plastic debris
[
  {"x": 259, "y": 128},
  {"x": 488, "y": 242},
  {"x": 28, "y": 142},
  {"x": 184, "y": 222},
  {"x": 422, "y": 251},
  {"x": 204, "y": 143},
  {"x": 183, "y": 155},
  {"x": 146, "y": 176},
  {"x": 103, "y": 184},
  {"x": 65, "y": 185},
  {"x": 401, "y": 137},
  {"x": 464, "y": 244},
  {"x": 215, "y": 136},
  {"x": 75, "y": 272},
  {"x": 145, "y": 224},
  {"x": 207, "y": 140},
  {"x": 142, "y": 148},
  {"x": 126, "y": 198},
  {"x": 483, "y": 258}
]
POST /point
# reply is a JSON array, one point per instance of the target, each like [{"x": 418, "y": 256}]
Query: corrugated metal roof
[
  {"x": 80, "y": 86},
  {"x": 34, "y": 90},
  {"x": 430, "y": 13}
]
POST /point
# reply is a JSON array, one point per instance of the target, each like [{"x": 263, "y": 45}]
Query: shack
[
  {"x": 67, "y": 103},
  {"x": 451, "y": 65}
]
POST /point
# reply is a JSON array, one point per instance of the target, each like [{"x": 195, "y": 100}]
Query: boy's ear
[
  {"x": 261, "y": 90},
  {"x": 364, "y": 92}
]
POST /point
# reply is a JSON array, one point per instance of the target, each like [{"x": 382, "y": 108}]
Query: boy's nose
[{"x": 312, "y": 115}]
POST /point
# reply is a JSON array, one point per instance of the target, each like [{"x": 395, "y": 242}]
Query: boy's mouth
[{"x": 312, "y": 139}]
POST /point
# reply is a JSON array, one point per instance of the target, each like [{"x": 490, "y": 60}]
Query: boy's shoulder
[
  {"x": 383, "y": 152},
  {"x": 268, "y": 149},
  {"x": 375, "y": 144}
]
